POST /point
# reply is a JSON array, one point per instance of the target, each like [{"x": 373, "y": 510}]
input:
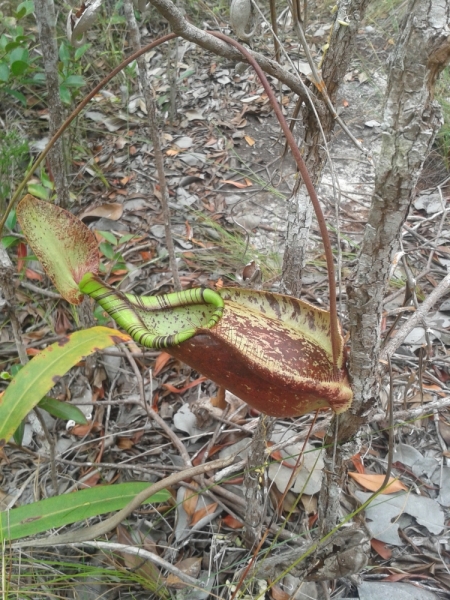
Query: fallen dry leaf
[
  {"x": 381, "y": 548},
  {"x": 398, "y": 576},
  {"x": 279, "y": 594},
  {"x": 373, "y": 482},
  {"x": 137, "y": 564},
  {"x": 357, "y": 463},
  {"x": 125, "y": 443},
  {"x": 309, "y": 504},
  {"x": 161, "y": 362},
  {"x": 30, "y": 274},
  {"x": 32, "y": 351},
  {"x": 82, "y": 430},
  {"x": 232, "y": 523},
  {"x": 108, "y": 210},
  {"x": 175, "y": 390},
  {"x": 237, "y": 184},
  {"x": 190, "y": 500},
  {"x": 203, "y": 512},
  {"x": 91, "y": 481},
  {"x": 189, "y": 566}
]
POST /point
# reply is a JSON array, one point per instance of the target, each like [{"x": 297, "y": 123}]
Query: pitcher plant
[{"x": 283, "y": 356}]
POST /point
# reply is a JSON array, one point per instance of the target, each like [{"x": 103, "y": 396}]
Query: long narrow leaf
[
  {"x": 47, "y": 514},
  {"x": 62, "y": 410},
  {"x": 38, "y": 376}
]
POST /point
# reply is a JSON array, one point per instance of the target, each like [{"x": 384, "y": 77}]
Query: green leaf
[
  {"x": 109, "y": 237},
  {"x": 19, "y": 433},
  {"x": 107, "y": 250},
  {"x": 4, "y": 72},
  {"x": 12, "y": 45},
  {"x": 186, "y": 73},
  {"x": 17, "y": 95},
  {"x": 46, "y": 181},
  {"x": 38, "y": 190},
  {"x": 79, "y": 52},
  {"x": 62, "y": 410},
  {"x": 9, "y": 240},
  {"x": 11, "y": 220},
  {"x": 38, "y": 376},
  {"x": 20, "y": 13},
  {"x": 50, "y": 513},
  {"x": 66, "y": 248},
  {"x": 74, "y": 81},
  {"x": 64, "y": 54},
  {"x": 18, "y": 67},
  {"x": 39, "y": 78},
  {"x": 65, "y": 94},
  {"x": 126, "y": 238},
  {"x": 27, "y": 6},
  {"x": 117, "y": 20},
  {"x": 102, "y": 317},
  {"x": 15, "y": 369},
  {"x": 19, "y": 54}
]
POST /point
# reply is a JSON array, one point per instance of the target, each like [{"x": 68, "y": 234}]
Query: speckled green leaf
[{"x": 66, "y": 248}]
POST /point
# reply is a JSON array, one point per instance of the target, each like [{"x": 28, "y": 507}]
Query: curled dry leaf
[
  {"x": 161, "y": 362},
  {"x": 381, "y": 549},
  {"x": 189, "y": 566},
  {"x": 309, "y": 504},
  {"x": 237, "y": 184},
  {"x": 240, "y": 16},
  {"x": 181, "y": 390},
  {"x": 201, "y": 513},
  {"x": 279, "y": 594},
  {"x": 373, "y": 482},
  {"x": 82, "y": 430},
  {"x": 108, "y": 210},
  {"x": 190, "y": 500},
  {"x": 232, "y": 523},
  {"x": 81, "y": 20}
]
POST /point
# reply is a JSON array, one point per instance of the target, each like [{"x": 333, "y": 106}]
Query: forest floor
[{"x": 228, "y": 197}]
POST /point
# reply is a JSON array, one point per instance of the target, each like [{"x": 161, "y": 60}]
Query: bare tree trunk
[
  {"x": 411, "y": 120},
  {"x": 46, "y": 22},
  {"x": 335, "y": 66}
]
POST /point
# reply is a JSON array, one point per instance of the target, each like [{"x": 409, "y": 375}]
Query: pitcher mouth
[{"x": 157, "y": 321}]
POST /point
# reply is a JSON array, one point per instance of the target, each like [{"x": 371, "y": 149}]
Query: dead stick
[
  {"x": 416, "y": 318},
  {"x": 89, "y": 533}
]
